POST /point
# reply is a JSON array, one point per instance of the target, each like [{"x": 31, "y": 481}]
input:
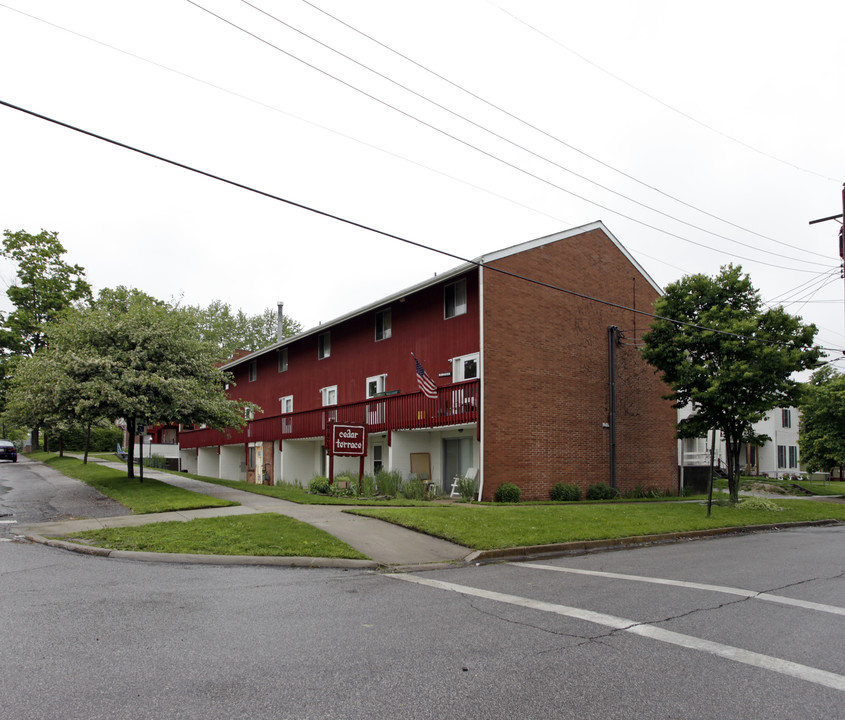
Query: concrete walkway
[{"x": 386, "y": 544}]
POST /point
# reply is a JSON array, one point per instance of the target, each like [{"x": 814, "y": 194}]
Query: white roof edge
[
  {"x": 572, "y": 232},
  {"x": 460, "y": 269}
]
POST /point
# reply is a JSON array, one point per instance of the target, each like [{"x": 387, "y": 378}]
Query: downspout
[
  {"x": 611, "y": 359},
  {"x": 482, "y": 404}
]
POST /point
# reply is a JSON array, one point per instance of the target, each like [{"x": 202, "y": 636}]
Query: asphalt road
[
  {"x": 689, "y": 636},
  {"x": 32, "y": 492}
]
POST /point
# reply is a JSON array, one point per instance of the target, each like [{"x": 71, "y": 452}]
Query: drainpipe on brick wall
[{"x": 612, "y": 337}]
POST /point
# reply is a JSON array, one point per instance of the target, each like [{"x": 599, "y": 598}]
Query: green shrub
[
  {"x": 388, "y": 482},
  {"x": 507, "y": 493},
  {"x": 155, "y": 461},
  {"x": 757, "y": 503},
  {"x": 320, "y": 485},
  {"x": 601, "y": 491},
  {"x": 467, "y": 489},
  {"x": 368, "y": 486},
  {"x": 565, "y": 492},
  {"x": 644, "y": 492},
  {"x": 413, "y": 489},
  {"x": 103, "y": 439},
  {"x": 350, "y": 480}
]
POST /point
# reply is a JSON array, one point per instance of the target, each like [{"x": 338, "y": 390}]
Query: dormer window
[
  {"x": 324, "y": 345},
  {"x": 455, "y": 299},
  {"x": 383, "y": 324}
]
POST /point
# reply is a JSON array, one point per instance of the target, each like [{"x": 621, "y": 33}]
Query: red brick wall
[{"x": 546, "y": 393}]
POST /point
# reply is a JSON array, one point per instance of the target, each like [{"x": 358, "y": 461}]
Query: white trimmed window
[
  {"x": 253, "y": 371},
  {"x": 384, "y": 324},
  {"x": 376, "y": 385},
  {"x": 329, "y": 395},
  {"x": 324, "y": 345},
  {"x": 286, "y": 403},
  {"x": 786, "y": 418},
  {"x": 283, "y": 359},
  {"x": 465, "y": 368},
  {"x": 455, "y": 299}
]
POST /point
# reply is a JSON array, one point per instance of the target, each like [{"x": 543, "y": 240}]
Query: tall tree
[
  {"x": 236, "y": 330},
  {"x": 822, "y": 430},
  {"x": 131, "y": 356},
  {"x": 45, "y": 285},
  {"x": 726, "y": 356}
]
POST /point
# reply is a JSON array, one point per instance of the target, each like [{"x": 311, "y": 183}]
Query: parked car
[{"x": 8, "y": 451}]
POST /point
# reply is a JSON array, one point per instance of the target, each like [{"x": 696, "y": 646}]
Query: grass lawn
[
  {"x": 150, "y": 496},
  {"x": 262, "y": 534},
  {"x": 817, "y": 488},
  {"x": 491, "y": 527}
]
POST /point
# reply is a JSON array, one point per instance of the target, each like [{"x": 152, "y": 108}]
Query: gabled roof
[{"x": 454, "y": 272}]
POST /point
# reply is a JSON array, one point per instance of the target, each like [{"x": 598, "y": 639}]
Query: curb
[
  {"x": 477, "y": 557},
  {"x": 240, "y": 560},
  {"x": 582, "y": 547}
]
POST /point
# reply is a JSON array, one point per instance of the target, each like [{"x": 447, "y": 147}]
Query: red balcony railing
[{"x": 455, "y": 405}]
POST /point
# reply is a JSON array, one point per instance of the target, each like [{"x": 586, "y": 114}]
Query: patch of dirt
[{"x": 761, "y": 487}]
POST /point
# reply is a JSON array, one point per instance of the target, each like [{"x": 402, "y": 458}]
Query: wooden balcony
[{"x": 456, "y": 404}]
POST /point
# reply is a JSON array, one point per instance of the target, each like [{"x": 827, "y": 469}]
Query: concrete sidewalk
[{"x": 387, "y": 545}]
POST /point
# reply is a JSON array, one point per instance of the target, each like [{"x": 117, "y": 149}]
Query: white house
[{"x": 779, "y": 457}]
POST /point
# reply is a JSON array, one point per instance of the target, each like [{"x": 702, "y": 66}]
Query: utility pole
[
  {"x": 841, "y": 230},
  {"x": 612, "y": 342}
]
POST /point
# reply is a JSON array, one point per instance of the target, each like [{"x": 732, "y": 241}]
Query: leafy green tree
[
  {"x": 45, "y": 285},
  {"x": 822, "y": 430},
  {"x": 722, "y": 353},
  {"x": 128, "y": 356},
  {"x": 235, "y": 330}
]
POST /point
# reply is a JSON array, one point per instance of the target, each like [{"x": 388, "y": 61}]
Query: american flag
[{"x": 429, "y": 389}]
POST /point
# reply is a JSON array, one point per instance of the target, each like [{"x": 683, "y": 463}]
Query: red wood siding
[
  {"x": 455, "y": 405},
  {"x": 418, "y": 326}
]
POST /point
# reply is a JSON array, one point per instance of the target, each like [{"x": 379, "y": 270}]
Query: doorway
[{"x": 457, "y": 458}]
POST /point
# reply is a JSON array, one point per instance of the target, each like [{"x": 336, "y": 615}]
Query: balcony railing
[{"x": 455, "y": 405}]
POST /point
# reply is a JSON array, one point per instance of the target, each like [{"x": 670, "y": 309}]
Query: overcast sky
[{"x": 725, "y": 119}]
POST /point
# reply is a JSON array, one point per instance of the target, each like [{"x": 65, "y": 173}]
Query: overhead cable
[
  {"x": 492, "y": 155},
  {"x": 553, "y": 137},
  {"x": 399, "y": 238}
]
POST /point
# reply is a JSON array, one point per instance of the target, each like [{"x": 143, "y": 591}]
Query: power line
[
  {"x": 658, "y": 100},
  {"x": 399, "y": 238},
  {"x": 512, "y": 142},
  {"x": 273, "y": 108},
  {"x": 489, "y": 154},
  {"x": 554, "y": 137},
  {"x": 786, "y": 294}
]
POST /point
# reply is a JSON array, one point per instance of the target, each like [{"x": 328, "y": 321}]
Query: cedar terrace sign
[{"x": 349, "y": 440}]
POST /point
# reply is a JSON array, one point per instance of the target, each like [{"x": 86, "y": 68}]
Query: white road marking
[
  {"x": 8, "y": 522},
  {"x": 752, "y": 594},
  {"x": 728, "y": 652}
]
